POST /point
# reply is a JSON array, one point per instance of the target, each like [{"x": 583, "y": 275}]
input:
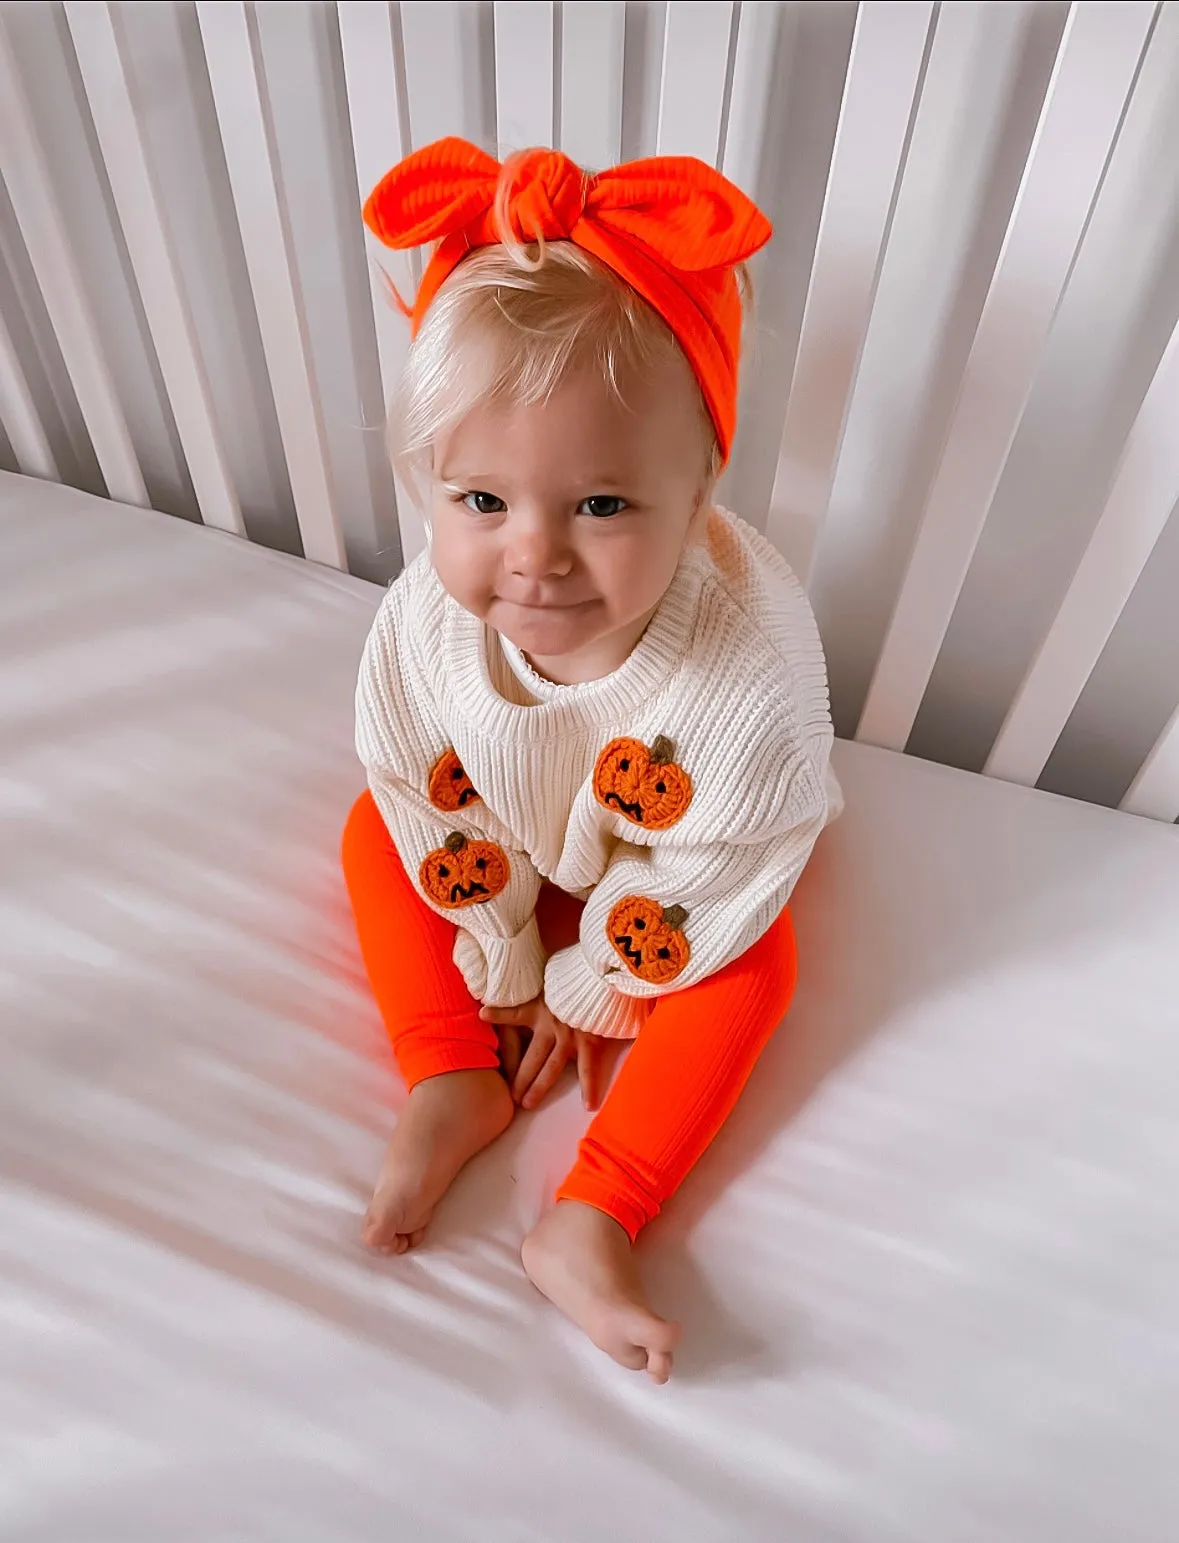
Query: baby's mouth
[{"x": 546, "y": 605}]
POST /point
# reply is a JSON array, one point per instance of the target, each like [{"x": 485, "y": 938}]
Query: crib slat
[
  {"x": 379, "y": 117},
  {"x": 437, "y": 69},
  {"x": 1094, "y": 72},
  {"x": 1139, "y": 505},
  {"x": 19, "y": 415},
  {"x": 446, "y": 86},
  {"x": 524, "y": 71},
  {"x": 26, "y": 174},
  {"x": 882, "y": 79},
  {"x": 96, "y": 29},
  {"x": 243, "y": 114},
  {"x": 592, "y": 37},
  {"x": 696, "y": 43},
  {"x": 1155, "y": 790},
  {"x": 753, "y": 72}
]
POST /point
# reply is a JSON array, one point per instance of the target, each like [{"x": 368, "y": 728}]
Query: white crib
[{"x": 929, "y": 1277}]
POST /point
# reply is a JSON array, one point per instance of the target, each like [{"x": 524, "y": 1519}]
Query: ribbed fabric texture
[
  {"x": 730, "y": 671},
  {"x": 678, "y": 1085}
]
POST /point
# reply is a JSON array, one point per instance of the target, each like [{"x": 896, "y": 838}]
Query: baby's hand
[
  {"x": 549, "y": 1047},
  {"x": 534, "y": 1073}
]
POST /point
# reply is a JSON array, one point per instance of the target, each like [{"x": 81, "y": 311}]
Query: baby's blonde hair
[{"x": 509, "y": 324}]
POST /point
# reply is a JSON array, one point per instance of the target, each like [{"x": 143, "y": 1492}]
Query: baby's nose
[{"x": 538, "y": 549}]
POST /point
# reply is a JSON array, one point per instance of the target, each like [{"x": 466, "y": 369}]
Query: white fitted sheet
[{"x": 929, "y": 1275}]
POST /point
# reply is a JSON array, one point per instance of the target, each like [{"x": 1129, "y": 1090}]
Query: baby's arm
[
  {"x": 487, "y": 888},
  {"x": 460, "y": 858},
  {"x": 666, "y": 916}
]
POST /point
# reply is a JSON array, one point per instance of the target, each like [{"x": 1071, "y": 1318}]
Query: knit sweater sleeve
[
  {"x": 666, "y": 916},
  {"x": 462, "y": 860}
]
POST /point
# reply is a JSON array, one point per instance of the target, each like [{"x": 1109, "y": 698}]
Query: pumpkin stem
[
  {"x": 455, "y": 842},
  {"x": 662, "y": 751},
  {"x": 674, "y": 917}
]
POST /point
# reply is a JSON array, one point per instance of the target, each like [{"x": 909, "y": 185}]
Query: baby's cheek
[
  {"x": 464, "y": 575},
  {"x": 639, "y": 576}
]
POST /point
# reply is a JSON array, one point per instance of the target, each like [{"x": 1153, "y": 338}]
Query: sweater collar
[{"x": 467, "y": 643}]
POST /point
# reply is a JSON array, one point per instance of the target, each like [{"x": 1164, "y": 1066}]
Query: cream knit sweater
[{"x": 680, "y": 796}]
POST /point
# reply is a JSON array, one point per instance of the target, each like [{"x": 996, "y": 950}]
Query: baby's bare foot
[
  {"x": 584, "y": 1263},
  {"x": 446, "y": 1120}
]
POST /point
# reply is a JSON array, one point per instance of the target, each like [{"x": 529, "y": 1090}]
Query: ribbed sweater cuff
[
  {"x": 585, "y": 1000},
  {"x": 502, "y": 972}
]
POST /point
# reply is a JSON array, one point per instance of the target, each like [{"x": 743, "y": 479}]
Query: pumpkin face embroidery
[
  {"x": 646, "y": 786},
  {"x": 450, "y": 788},
  {"x": 648, "y": 939},
  {"x": 461, "y": 872}
]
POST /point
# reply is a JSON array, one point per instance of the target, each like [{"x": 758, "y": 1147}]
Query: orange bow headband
[{"x": 671, "y": 227}]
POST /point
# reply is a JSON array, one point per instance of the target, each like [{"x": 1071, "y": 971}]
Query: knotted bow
[{"x": 670, "y": 226}]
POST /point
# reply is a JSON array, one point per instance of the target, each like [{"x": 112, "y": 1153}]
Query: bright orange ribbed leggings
[{"x": 675, "y": 1087}]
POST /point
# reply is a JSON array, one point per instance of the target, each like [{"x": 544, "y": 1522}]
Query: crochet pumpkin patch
[
  {"x": 644, "y": 785},
  {"x": 450, "y": 788},
  {"x": 461, "y": 872},
  {"x": 648, "y": 939}
]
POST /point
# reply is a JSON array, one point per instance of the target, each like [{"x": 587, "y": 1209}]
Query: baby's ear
[{"x": 698, "y": 524}]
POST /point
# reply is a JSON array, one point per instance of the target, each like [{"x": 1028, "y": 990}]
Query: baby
[{"x": 594, "y": 715}]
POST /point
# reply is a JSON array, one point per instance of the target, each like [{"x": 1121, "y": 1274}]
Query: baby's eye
[
  {"x": 602, "y": 506},
  {"x": 484, "y": 503}
]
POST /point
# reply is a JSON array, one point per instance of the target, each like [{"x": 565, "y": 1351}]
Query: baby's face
[{"x": 562, "y": 524}]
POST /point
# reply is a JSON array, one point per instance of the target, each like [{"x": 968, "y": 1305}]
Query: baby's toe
[
  {"x": 658, "y": 1366},
  {"x": 382, "y": 1232},
  {"x": 663, "y": 1337},
  {"x": 657, "y": 1339},
  {"x": 641, "y": 1341},
  {"x": 626, "y": 1353}
]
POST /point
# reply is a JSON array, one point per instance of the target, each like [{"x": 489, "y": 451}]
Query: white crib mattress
[{"x": 929, "y": 1276}]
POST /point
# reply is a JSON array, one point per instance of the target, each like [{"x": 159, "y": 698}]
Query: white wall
[{"x": 890, "y": 143}]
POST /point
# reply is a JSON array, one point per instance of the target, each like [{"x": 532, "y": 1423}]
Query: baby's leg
[
  {"x": 676, "y": 1088},
  {"x": 458, "y": 1102}
]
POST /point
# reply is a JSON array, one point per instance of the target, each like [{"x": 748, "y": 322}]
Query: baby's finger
[
  {"x": 534, "y": 1058},
  {"x": 511, "y": 1049},
  {"x": 589, "y": 1069},
  {"x": 520, "y": 1017},
  {"x": 546, "y": 1077}
]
